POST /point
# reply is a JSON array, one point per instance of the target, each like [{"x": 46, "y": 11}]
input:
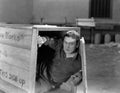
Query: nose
[{"x": 67, "y": 45}]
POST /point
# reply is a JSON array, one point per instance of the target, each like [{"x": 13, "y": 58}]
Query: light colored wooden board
[
  {"x": 14, "y": 56},
  {"x": 32, "y": 75},
  {"x": 14, "y": 75},
  {"x": 16, "y": 37},
  {"x": 53, "y": 28},
  {"x": 8, "y": 88},
  {"x": 84, "y": 71}
]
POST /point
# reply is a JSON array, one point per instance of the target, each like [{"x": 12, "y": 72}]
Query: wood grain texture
[
  {"x": 32, "y": 75},
  {"x": 14, "y": 75},
  {"x": 15, "y": 56},
  {"x": 16, "y": 37}
]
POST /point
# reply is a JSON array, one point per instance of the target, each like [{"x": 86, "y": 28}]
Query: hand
[
  {"x": 67, "y": 86},
  {"x": 76, "y": 78},
  {"x": 41, "y": 40}
]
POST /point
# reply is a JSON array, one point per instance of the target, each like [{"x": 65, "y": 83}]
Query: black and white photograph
[{"x": 59, "y": 46}]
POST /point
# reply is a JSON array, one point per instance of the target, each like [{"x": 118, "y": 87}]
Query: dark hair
[{"x": 72, "y": 33}]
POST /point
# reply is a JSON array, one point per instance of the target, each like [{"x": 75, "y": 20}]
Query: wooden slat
[
  {"x": 14, "y": 75},
  {"x": 8, "y": 88},
  {"x": 32, "y": 75},
  {"x": 55, "y": 28},
  {"x": 16, "y": 37},
  {"x": 15, "y": 56},
  {"x": 84, "y": 71}
]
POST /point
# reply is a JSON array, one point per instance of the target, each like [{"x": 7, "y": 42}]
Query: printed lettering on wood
[{"x": 15, "y": 56}]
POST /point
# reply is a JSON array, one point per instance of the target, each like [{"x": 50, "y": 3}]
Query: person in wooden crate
[{"x": 63, "y": 70}]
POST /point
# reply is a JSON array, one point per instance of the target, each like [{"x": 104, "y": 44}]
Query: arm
[
  {"x": 51, "y": 42},
  {"x": 76, "y": 78},
  {"x": 73, "y": 81}
]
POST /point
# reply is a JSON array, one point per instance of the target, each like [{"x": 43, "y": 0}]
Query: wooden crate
[
  {"x": 18, "y": 56},
  {"x": 18, "y": 45}
]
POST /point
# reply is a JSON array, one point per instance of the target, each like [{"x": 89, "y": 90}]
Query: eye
[
  {"x": 76, "y": 76},
  {"x": 72, "y": 44},
  {"x": 65, "y": 42}
]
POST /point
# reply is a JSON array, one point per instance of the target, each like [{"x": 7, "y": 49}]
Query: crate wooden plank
[
  {"x": 32, "y": 75},
  {"x": 15, "y": 56},
  {"x": 16, "y": 37},
  {"x": 16, "y": 59},
  {"x": 7, "y": 88},
  {"x": 84, "y": 71},
  {"x": 54, "y": 28},
  {"x": 14, "y": 75}
]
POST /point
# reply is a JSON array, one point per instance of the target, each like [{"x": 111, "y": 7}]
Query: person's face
[{"x": 69, "y": 45}]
